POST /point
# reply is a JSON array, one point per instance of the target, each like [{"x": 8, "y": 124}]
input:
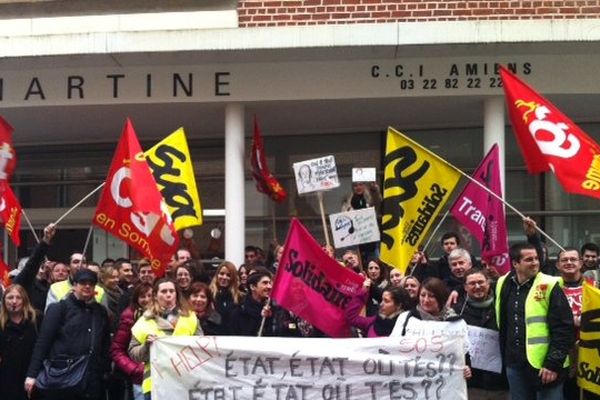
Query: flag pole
[
  {"x": 79, "y": 203},
  {"x": 482, "y": 186},
  {"x": 435, "y": 230},
  {"x": 323, "y": 219},
  {"x": 37, "y": 239},
  {"x": 87, "y": 239}
]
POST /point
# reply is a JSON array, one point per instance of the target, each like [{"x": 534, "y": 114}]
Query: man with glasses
[
  {"x": 569, "y": 266},
  {"x": 536, "y": 327},
  {"x": 477, "y": 309}
]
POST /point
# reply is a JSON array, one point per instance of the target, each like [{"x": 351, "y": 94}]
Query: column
[
  {"x": 235, "y": 217},
  {"x": 493, "y": 130}
]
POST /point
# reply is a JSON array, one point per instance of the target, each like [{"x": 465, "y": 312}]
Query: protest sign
[
  {"x": 316, "y": 175},
  {"x": 277, "y": 368},
  {"x": 411, "y": 326},
  {"x": 354, "y": 227},
  {"x": 485, "y": 349},
  {"x": 364, "y": 175}
]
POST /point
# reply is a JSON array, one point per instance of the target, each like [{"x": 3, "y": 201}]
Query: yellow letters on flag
[
  {"x": 173, "y": 172},
  {"x": 588, "y": 365},
  {"x": 416, "y": 186}
]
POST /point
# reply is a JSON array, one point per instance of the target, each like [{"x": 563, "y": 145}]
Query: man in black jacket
[
  {"x": 477, "y": 309},
  {"x": 536, "y": 327},
  {"x": 73, "y": 327},
  {"x": 247, "y": 318}
]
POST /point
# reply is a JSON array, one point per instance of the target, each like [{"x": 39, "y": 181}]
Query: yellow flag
[
  {"x": 588, "y": 365},
  {"x": 173, "y": 172},
  {"x": 416, "y": 186}
]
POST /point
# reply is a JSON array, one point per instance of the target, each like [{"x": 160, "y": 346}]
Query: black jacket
[
  {"x": 16, "y": 347},
  {"x": 246, "y": 319},
  {"x": 36, "y": 290},
  {"x": 69, "y": 327},
  {"x": 483, "y": 317}
]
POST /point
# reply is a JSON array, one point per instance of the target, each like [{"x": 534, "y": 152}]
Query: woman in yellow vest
[{"x": 168, "y": 315}]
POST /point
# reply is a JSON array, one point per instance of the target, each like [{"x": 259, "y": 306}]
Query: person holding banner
[
  {"x": 536, "y": 327},
  {"x": 477, "y": 309},
  {"x": 393, "y": 302},
  {"x": 167, "y": 315},
  {"x": 255, "y": 311}
]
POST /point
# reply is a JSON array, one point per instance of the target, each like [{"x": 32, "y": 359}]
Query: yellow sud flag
[
  {"x": 588, "y": 365},
  {"x": 173, "y": 172},
  {"x": 416, "y": 185}
]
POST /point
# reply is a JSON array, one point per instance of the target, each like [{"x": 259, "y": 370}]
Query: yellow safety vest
[
  {"x": 63, "y": 288},
  {"x": 186, "y": 326},
  {"x": 537, "y": 332}
]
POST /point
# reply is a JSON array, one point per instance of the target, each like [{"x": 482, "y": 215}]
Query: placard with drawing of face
[{"x": 316, "y": 175}]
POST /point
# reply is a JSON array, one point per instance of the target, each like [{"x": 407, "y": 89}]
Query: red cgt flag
[
  {"x": 131, "y": 207},
  {"x": 8, "y": 158},
  {"x": 265, "y": 181},
  {"x": 10, "y": 212},
  {"x": 549, "y": 140}
]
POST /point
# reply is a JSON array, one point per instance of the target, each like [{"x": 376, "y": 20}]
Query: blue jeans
[{"x": 522, "y": 387}]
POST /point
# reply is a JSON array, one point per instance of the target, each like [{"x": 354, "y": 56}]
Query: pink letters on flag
[
  {"x": 483, "y": 215},
  {"x": 312, "y": 285}
]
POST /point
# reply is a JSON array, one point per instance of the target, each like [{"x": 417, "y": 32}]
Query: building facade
[{"x": 322, "y": 76}]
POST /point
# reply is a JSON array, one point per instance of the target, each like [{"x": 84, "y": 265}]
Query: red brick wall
[{"x": 312, "y": 12}]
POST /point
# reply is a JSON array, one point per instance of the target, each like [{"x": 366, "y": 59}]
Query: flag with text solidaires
[
  {"x": 10, "y": 212},
  {"x": 173, "y": 171},
  {"x": 483, "y": 214},
  {"x": 588, "y": 363},
  {"x": 131, "y": 207},
  {"x": 416, "y": 186},
  {"x": 313, "y": 285},
  {"x": 549, "y": 140}
]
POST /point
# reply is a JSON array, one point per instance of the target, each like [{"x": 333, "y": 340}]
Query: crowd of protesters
[{"x": 107, "y": 315}]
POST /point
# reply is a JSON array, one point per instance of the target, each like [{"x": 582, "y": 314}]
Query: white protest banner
[
  {"x": 485, "y": 349},
  {"x": 316, "y": 175},
  {"x": 277, "y": 368},
  {"x": 364, "y": 175},
  {"x": 417, "y": 327},
  {"x": 354, "y": 227}
]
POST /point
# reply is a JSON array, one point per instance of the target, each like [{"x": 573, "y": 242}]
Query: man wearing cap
[
  {"x": 60, "y": 290},
  {"x": 75, "y": 326}
]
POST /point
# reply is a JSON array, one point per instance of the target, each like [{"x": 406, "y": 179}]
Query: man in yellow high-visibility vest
[{"x": 536, "y": 328}]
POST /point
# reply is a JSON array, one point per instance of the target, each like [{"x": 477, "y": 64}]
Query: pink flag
[
  {"x": 483, "y": 214},
  {"x": 312, "y": 285}
]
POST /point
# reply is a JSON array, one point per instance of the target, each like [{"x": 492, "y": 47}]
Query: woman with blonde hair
[
  {"x": 225, "y": 289},
  {"x": 167, "y": 315},
  {"x": 18, "y": 333}
]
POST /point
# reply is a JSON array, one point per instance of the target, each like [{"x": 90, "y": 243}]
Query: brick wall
[{"x": 312, "y": 12}]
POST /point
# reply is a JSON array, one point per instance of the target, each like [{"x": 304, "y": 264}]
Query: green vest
[
  {"x": 186, "y": 326},
  {"x": 537, "y": 303},
  {"x": 63, "y": 288}
]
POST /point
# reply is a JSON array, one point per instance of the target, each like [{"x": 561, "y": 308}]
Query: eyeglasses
[{"x": 571, "y": 259}]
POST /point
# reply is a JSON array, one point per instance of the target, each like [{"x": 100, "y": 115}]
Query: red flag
[
  {"x": 265, "y": 181},
  {"x": 7, "y": 152},
  {"x": 10, "y": 212},
  {"x": 551, "y": 141},
  {"x": 131, "y": 207},
  {"x": 4, "y": 277},
  {"x": 483, "y": 214},
  {"x": 313, "y": 285}
]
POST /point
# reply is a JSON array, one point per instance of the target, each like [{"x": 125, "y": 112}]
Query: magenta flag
[
  {"x": 312, "y": 285},
  {"x": 483, "y": 215}
]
